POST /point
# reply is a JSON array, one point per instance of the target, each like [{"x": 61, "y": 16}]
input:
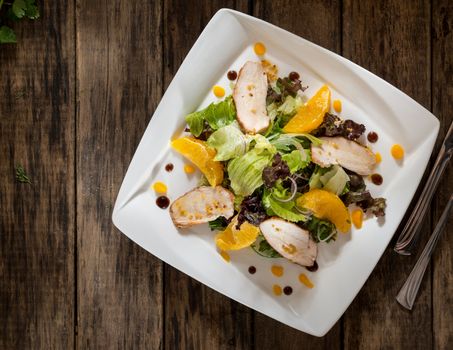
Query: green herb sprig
[
  {"x": 21, "y": 175},
  {"x": 12, "y": 12}
]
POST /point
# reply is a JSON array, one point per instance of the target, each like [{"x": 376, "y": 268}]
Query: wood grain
[
  {"x": 196, "y": 317},
  {"x": 77, "y": 93},
  {"x": 391, "y": 39},
  {"x": 442, "y": 97},
  {"x": 119, "y": 69},
  {"x": 37, "y": 220},
  {"x": 317, "y": 21}
]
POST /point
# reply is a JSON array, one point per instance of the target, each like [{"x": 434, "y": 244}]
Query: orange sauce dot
[
  {"x": 277, "y": 270},
  {"x": 189, "y": 169},
  {"x": 337, "y": 105},
  {"x": 218, "y": 91},
  {"x": 305, "y": 281},
  {"x": 277, "y": 289},
  {"x": 397, "y": 151},
  {"x": 225, "y": 256},
  {"x": 357, "y": 218},
  {"x": 378, "y": 157},
  {"x": 259, "y": 49},
  {"x": 160, "y": 187}
]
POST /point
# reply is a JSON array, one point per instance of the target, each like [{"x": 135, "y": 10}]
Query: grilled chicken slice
[
  {"x": 201, "y": 205},
  {"x": 250, "y": 98},
  {"x": 290, "y": 241},
  {"x": 349, "y": 154}
]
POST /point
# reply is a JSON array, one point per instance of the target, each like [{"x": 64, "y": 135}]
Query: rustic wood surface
[{"x": 77, "y": 92}]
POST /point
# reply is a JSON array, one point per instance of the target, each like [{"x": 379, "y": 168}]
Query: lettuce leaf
[
  {"x": 195, "y": 121},
  {"x": 229, "y": 142},
  {"x": 245, "y": 172},
  {"x": 333, "y": 179},
  {"x": 217, "y": 115},
  {"x": 290, "y": 106},
  {"x": 297, "y": 160},
  {"x": 263, "y": 248},
  {"x": 285, "y": 210}
]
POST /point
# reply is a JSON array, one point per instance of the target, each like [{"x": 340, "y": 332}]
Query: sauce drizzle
[
  {"x": 372, "y": 137},
  {"x": 162, "y": 202},
  {"x": 169, "y": 167},
  {"x": 288, "y": 290},
  {"x": 277, "y": 270},
  {"x": 312, "y": 268},
  {"x": 277, "y": 289},
  {"x": 232, "y": 75},
  {"x": 377, "y": 179}
]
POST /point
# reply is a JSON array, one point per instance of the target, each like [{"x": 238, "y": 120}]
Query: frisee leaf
[
  {"x": 31, "y": 10},
  {"x": 19, "y": 7},
  {"x": 21, "y": 175},
  {"x": 7, "y": 35}
]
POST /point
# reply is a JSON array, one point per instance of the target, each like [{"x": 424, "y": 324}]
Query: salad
[{"x": 281, "y": 173}]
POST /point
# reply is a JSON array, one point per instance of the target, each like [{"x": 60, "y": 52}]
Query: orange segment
[
  {"x": 311, "y": 115},
  {"x": 202, "y": 156},
  {"x": 225, "y": 256},
  {"x": 326, "y": 205},
  {"x": 234, "y": 239}
]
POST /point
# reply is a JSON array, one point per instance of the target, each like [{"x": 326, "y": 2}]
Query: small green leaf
[
  {"x": 21, "y": 175},
  {"x": 19, "y": 7},
  {"x": 31, "y": 10},
  {"x": 7, "y": 35}
]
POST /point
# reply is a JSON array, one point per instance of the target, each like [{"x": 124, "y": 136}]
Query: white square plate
[{"x": 227, "y": 43}]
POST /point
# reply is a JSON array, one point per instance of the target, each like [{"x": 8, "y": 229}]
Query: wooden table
[{"x": 77, "y": 92}]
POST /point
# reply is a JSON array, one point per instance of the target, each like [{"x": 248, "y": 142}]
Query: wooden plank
[
  {"x": 37, "y": 221},
  {"x": 442, "y": 95},
  {"x": 390, "y": 38},
  {"x": 317, "y": 21},
  {"x": 119, "y": 70},
  {"x": 196, "y": 317}
]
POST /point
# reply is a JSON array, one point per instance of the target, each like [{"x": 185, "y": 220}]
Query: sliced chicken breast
[
  {"x": 250, "y": 98},
  {"x": 349, "y": 154},
  {"x": 201, "y": 205},
  {"x": 290, "y": 241}
]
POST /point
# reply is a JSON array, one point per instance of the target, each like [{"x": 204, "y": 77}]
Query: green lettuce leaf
[
  {"x": 333, "y": 179},
  {"x": 321, "y": 230},
  {"x": 263, "y": 248},
  {"x": 290, "y": 106},
  {"x": 229, "y": 142},
  {"x": 217, "y": 115},
  {"x": 297, "y": 160},
  {"x": 195, "y": 121},
  {"x": 245, "y": 172},
  {"x": 285, "y": 210}
]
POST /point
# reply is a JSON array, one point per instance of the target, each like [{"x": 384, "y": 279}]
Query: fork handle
[
  {"x": 408, "y": 237},
  {"x": 408, "y": 292}
]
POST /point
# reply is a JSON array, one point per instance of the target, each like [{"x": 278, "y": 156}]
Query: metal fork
[
  {"x": 409, "y": 236},
  {"x": 408, "y": 292}
]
